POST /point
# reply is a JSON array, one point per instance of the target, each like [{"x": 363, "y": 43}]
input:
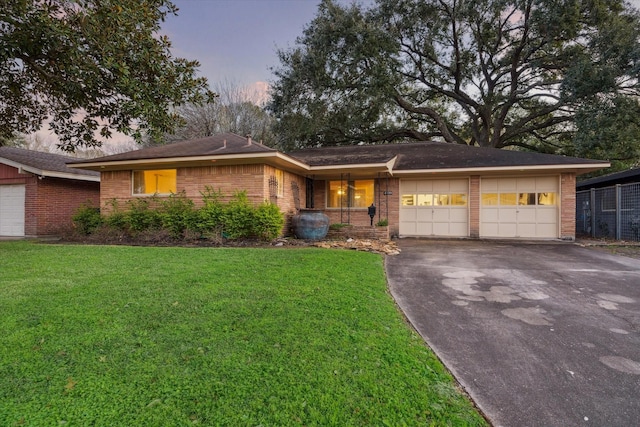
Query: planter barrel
[{"x": 310, "y": 224}]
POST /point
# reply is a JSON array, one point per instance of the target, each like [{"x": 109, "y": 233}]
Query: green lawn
[{"x": 138, "y": 336}]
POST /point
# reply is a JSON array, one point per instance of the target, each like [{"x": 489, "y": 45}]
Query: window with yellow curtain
[
  {"x": 157, "y": 181},
  {"x": 352, "y": 194}
]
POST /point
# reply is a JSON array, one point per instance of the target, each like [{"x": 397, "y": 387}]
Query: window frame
[
  {"x": 133, "y": 183},
  {"x": 351, "y": 188}
]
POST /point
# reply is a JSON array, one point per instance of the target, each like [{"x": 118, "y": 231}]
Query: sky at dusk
[{"x": 237, "y": 40}]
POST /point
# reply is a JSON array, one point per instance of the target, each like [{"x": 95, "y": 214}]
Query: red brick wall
[
  {"x": 56, "y": 201},
  {"x": 568, "y": 206}
]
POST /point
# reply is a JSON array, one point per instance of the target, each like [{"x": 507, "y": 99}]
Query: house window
[
  {"x": 352, "y": 194},
  {"x": 158, "y": 181}
]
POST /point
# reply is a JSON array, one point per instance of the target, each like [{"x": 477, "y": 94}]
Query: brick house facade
[{"x": 420, "y": 189}]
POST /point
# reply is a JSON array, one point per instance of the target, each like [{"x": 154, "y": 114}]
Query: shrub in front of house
[
  {"x": 177, "y": 214},
  {"x": 87, "y": 219},
  {"x": 177, "y": 218}
]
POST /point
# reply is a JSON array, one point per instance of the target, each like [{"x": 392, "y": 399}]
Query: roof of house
[
  {"x": 402, "y": 158},
  {"x": 432, "y": 155},
  {"x": 624, "y": 177},
  {"x": 44, "y": 164},
  {"x": 225, "y": 143}
]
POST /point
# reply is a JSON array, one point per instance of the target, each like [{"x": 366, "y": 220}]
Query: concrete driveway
[{"x": 537, "y": 334}]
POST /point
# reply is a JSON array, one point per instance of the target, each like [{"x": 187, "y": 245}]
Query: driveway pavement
[{"x": 537, "y": 334}]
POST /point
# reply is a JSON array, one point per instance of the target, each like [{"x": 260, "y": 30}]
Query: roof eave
[
  {"x": 267, "y": 157},
  {"x": 47, "y": 173},
  {"x": 581, "y": 168},
  {"x": 363, "y": 168}
]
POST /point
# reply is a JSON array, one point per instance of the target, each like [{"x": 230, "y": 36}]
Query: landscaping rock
[{"x": 386, "y": 247}]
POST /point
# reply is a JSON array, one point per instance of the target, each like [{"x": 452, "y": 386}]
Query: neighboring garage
[
  {"x": 434, "y": 207},
  {"x": 12, "y": 198},
  {"x": 522, "y": 207},
  {"x": 39, "y": 193}
]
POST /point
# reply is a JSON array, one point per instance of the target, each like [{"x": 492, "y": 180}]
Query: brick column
[
  {"x": 568, "y": 206},
  {"x": 474, "y": 206}
]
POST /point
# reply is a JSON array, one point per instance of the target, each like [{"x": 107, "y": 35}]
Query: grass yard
[{"x": 152, "y": 336}]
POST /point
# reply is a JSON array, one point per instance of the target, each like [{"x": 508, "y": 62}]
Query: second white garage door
[
  {"x": 519, "y": 207},
  {"x": 12, "y": 210},
  {"x": 434, "y": 208}
]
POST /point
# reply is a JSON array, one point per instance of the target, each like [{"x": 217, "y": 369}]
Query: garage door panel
[
  {"x": 424, "y": 214},
  {"x": 409, "y": 214},
  {"x": 526, "y": 230},
  {"x": 490, "y": 215},
  {"x": 507, "y": 230},
  {"x": 458, "y": 229},
  {"x": 507, "y": 215},
  {"x": 423, "y": 187},
  {"x": 435, "y": 220},
  {"x": 408, "y": 228},
  {"x": 441, "y": 186},
  {"x": 527, "y": 215},
  {"x": 424, "y": 229},
  {"x": 546, "y": 215},
  {"x": 12, "y": 210},
  {"x": 441, "y": 215},
  {"x": 507, "y": 185},
  {"x": 458, "y": 215},
  {"x": 547, "y": 183},
  {"x": 408, "y": 187},
  {"x": 546, "y": 230},
  {"x": 500, "y": 216},
  {"x": 459, "y": 186}
]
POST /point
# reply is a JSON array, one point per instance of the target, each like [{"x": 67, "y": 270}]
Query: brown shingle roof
[
  {"x": 225, "y": 143},
  {"x": 431, "y": 155},
  {"x": 43, "y": 163}
]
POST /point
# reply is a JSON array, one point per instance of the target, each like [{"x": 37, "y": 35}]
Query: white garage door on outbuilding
[
  {"x": 434, "y": 207},
  {"x": 12, "y": 210},
  {"x": 519, "y": 207}
]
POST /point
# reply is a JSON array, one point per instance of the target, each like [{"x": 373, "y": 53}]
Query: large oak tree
[
  {"x": 493, "y": 73},
  {"x": 91, "y": 67}
]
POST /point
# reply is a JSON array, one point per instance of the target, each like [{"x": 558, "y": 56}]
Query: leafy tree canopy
[
  {"x": 493, "y": 73},
  {"x": 89, "y": 67}
]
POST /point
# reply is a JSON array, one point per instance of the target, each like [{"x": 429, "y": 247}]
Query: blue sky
[{"x": 236, "y": 40}]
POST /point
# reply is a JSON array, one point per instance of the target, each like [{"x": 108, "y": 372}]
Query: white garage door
[
  {"x": 434, "y": 208},
  {"x": 519, "y": 207},
  {"x": 12, "y": 210}
]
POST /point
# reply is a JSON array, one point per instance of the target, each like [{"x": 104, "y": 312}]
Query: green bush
[
  {"x": 268, "y": 221},
  {"x": 117, "y": 218},
  {"x": 177, "y": 217},
  {"x": 141, "y": 214},
  {"x": 87, "y": 219},
  {"x": 238, "y": 217},
  {"x": 209, "y": 218},
  {"x": 177, "y": 214}
]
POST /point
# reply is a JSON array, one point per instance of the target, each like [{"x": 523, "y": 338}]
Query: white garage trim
[
  {"x": 523, "y": 207},
  {"x": 434, "y": 207},
  {"x": 12, "y": 210}
]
